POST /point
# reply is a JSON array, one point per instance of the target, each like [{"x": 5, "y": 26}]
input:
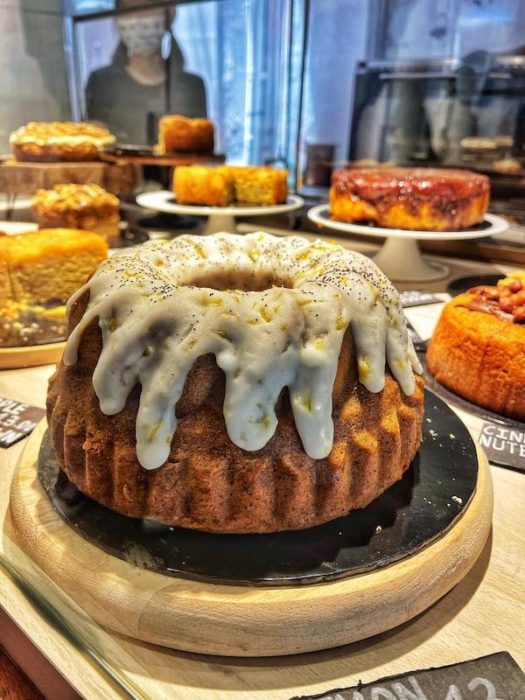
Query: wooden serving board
[
  {"x": 20, "y": 178},
  {"x": 235, "y": 620},
  {"x": 165, "y": 160},
  {"x": 31, "y": 355}
]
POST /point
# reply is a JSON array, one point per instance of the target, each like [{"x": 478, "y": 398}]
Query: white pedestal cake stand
[
  {"x": 400, "y": 257},
  {"x": 219, "y": 218}
]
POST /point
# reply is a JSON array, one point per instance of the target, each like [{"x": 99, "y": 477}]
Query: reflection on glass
[
  {"x": 413, "y": 82},
  {"x": 229, "y": 60},
  {"x": 145, "y": 78}
]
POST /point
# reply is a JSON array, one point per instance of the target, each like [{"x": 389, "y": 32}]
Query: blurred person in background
[{"x": 145, "y": 79}]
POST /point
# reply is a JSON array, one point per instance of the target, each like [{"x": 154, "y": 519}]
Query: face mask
[{"x": 142, "y": 35}]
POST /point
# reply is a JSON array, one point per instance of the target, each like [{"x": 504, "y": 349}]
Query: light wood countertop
[{"x": 485, "y": 613}]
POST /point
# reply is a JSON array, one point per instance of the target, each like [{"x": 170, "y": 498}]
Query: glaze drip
[{"x": 155, "y": 325}]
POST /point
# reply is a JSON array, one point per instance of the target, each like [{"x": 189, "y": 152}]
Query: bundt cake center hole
[{"x": 240, "y": 280}]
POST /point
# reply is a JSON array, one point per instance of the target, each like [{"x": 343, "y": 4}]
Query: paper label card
[
  {"x": 494, "y": 677},
  {"x": 17, "y": 420},
  {"x": 503, "y": 445},
  {"x": 413, "y": 297}
]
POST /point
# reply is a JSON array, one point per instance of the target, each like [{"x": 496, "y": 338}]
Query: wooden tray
[
  {"x": 31, "y": 356},
  {"x": 236, "y": 620},
  {"x": 168, "y": 160},
  {"x": 25, "y": 178}
]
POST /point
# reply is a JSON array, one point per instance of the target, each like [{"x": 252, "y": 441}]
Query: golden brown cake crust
[
  {"x": 59, "y": 141},
  {"x": 203, "y": 185},
  {"x": 410, "y": 198},
  {"x": 480, "y": 356},
  {"x": 210, "y": 484},
  {"x": 88, "y": 207},
  {"x": 49, "y": 264},
  {"x": 185, "y": 135},
  {"x": 243, "y": 185}
]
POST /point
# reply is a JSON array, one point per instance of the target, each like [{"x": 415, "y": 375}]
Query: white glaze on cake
[{"x": 155, "y": 325}]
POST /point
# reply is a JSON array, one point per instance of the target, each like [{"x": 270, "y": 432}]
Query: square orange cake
[
  {"x": 47, "y": 265},
  {"x": 230, "y": 184},
  {"x": 199, "y": 184},
  {"x": 178, "y": 133},
  {"x": 263, "y": 186}
]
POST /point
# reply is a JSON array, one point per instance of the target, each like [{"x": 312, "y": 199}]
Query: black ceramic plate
[
  {"x": 31, "y": 328},
  {"x": 129, "y": 149},
  {"x": 411, "y": 514},
  {"x": 462, "y": 284},
  {"x": 129, "y": 236}
]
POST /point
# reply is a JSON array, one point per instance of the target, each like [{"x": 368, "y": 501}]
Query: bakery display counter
[
  {"x": 482, "y": 614},
  {"x": 19, "y": 179}
]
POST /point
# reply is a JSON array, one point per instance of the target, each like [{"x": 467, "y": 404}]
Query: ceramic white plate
[
  {"x": 491, "y": 225},
  {"x": 163, "y": 200}
]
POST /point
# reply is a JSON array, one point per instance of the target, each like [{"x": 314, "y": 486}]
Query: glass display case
[
  {"x": 427, "y": 83},
  {"x": 229, "y": 61},
  {"x": 238, "y": 461}
]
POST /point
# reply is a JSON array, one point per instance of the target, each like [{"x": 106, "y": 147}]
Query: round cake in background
[
  {"x": 236, "y": 384},
  {"x": 420, "y": 199},
  {"x": 88, "y": 207},
  {"x": 50, "y": 142},
  {"x": 478, "y": 347}
]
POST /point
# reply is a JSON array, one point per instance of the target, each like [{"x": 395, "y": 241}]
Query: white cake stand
[
  {"x": 400, "y": 257},
  {"x": 219, "y": 218},
  {"x": 13, "y": 228}
]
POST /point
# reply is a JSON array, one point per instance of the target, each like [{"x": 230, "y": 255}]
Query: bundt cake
[
  {"x": 236, "y": 384},
  {"x": 423, "y": 199},
  {"x": 478, "y": 347}
]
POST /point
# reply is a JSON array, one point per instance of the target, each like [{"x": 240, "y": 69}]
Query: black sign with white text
[
  {"x": 503, "y": 445},
  {"x": 17, "y": 420},
  {"x": 494, "y": 677}
]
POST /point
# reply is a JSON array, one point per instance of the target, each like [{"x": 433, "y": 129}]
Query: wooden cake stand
[
  {"x": 170, "y": 160},
  {"x": 235, "y": 620},
  {"x": 21, "y": 178},
  {"x": 31, "y": 355}
]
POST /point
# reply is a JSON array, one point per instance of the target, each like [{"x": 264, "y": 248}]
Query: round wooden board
[
  {"x": 235, "y": 620},
  {"x": 31, "y": 356}
]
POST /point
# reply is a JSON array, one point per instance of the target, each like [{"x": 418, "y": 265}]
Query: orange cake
[
  {"x": 47, "y": 265},
  {"x": 230, "y": 184},
  {"x": 203, "y": 185},
  {"x": 178, "y": 133},
  {"x": 59, "y": 141},
  {"x": 88, "y": 207},
  {"x": 262, "y": 186},
  {"x": 410, "y": 198},
  {"x": 478, "y": 348},
  {"x": 236, "y": 384}
]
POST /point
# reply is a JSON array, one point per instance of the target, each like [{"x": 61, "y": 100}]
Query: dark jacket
[{"x": 131, "y": 110}]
